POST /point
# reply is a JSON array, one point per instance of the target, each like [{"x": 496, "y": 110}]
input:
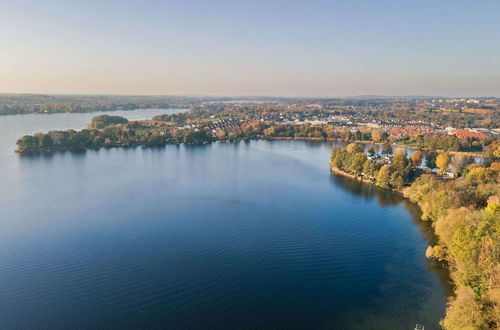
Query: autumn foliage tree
[
  {"x": 416, "y": 158},
  {"x": 466, "y": 216},
  {"x": 384, "y": 177},
  {"x": 442, "y": 161}
]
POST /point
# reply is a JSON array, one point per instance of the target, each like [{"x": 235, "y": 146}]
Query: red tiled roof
[{"x": 464, "y": 134}]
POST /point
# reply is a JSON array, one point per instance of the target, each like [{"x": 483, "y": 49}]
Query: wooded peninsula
[
  {"x": 204, "y": 126},
  {"x": 462, "y": 202}
]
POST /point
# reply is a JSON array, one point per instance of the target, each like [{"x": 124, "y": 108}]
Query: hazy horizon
[
  {"x": 326, "y": 49},
  {"x": 236, "y": 96}
]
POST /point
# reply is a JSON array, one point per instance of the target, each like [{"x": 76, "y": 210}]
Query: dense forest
[
  {"x": 384, "y": 172},
  {"x": 109, "y": 134},
  {"x": 465, "y": 214}
]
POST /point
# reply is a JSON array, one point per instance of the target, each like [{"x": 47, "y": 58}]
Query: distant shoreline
[{"x": 93, "y": 111}]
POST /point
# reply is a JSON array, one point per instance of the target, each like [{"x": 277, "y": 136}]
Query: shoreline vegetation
[
  {"x": 107, "y": 131},
  {"x": 464, "y": 212}
]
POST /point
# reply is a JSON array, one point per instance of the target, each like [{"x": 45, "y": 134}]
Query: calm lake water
[{"x": 229, "y": 235}]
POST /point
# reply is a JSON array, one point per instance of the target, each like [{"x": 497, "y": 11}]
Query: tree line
[
  {"x": 40, "y": 103},
  {"x": 465, "y": 213},
  {"x": 383, "y": 172},
  {"x": 125, "y": 135}
]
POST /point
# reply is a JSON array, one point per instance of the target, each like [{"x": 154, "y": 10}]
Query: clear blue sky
[{"x": 300, "y": 48}]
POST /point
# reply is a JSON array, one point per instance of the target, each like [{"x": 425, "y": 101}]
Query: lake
[{"x": 227, "y": 235}]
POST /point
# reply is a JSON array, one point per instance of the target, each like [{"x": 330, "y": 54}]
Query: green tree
[
  {"x": 396, "y": 180},
  {"x": 357, "y": 163},
  {"x": 368, "y": 168},
  {"x": 102, "y": 121},
  {"x": 430, "y": 159},
  {"x": 45, "y": 142},
  {"x": 27, "y": 144}
]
